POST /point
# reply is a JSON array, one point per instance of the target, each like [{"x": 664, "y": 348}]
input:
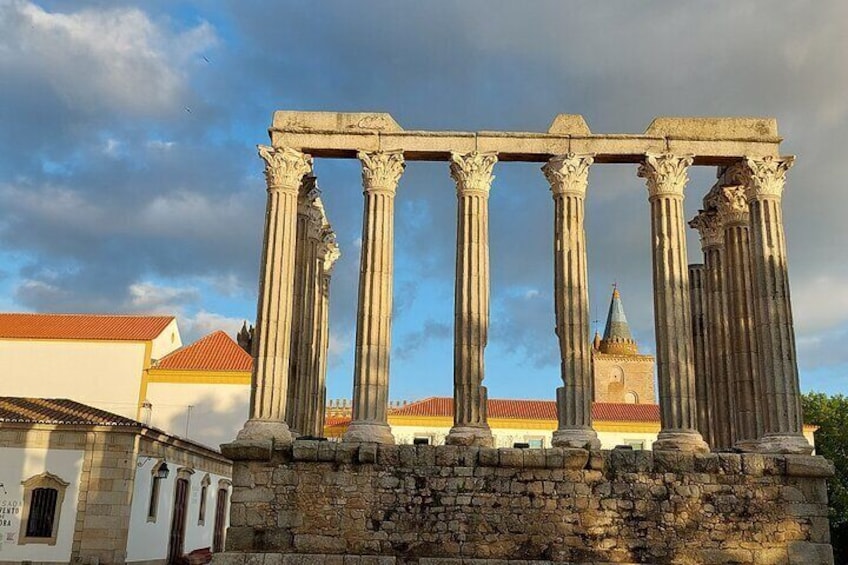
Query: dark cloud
[{"x": 127, "y": 159}]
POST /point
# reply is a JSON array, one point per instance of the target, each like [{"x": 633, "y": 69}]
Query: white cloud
[
  {"x": 150, "y": 297},
  {"x": 195, "y": 326},
  {"x": 116, "y": 58}
]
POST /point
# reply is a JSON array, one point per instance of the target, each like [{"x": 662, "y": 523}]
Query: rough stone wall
[
  {"x": 454, "y": 504},
  {"x": 638, "y": 373}
]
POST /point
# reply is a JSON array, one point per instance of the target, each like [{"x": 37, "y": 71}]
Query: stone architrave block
[
  {"x": 806, "y": 553},
  {"x": 388, "y": 455},
  {"x": 406, "y": 455},
  {"x": 534, "y": 458},
  {"x": 327, "y": 451},
  {"x": 489, "y": 457},
  {"x": 247, "y": 450},
  {"x": 305, "y": 450},
  {"x": 575, "y": 458},
  {"x": 707, "y": 463},
  {"x": 367, "y": 453},
  {"x": 347, "y": 452},
  {"x": 511, "y": 457},
  {"x": 554, "y": 458},
  {"x": 809, "y": 466},
  {"x": 447, "y": 455},
  {"x": 468, "y": 456}
]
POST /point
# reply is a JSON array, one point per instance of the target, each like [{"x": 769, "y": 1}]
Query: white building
[
  {"x": 134, "y": 366},
  {"x": 82, "y": 485}
]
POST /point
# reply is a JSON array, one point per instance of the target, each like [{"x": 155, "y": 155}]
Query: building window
[
  {"x": 636, "y": 444},
  {"x": 535, "y": 442},
  {"x": 220, "y": 515},
  {"x": 43, "y": 496},
  {"x": 158, "y": 474},
  {"x": 204, "y": 491}
]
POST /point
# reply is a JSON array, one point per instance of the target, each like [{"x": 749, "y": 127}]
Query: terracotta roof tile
[
  {"x": 82, "y": 326},
  {"x": 57, "y": 411},
  {"x": 214, "y": 352},
  {"x": 534, "y": 410}
]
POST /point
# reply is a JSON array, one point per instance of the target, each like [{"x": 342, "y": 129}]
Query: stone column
[
  {"x": 473, "y": 175},
  {"x": 764, "y": 182},
  {"x": 747, "y": 393},
  {"x": 328, "y": 254},
  {"x": 568, "y": 177},
  {"x": 715, "y": 317},
  {"x": 703, "y": 393},
  {"x": 381, "y": 172},
  {"x": 310, "y": 323},
  {"x": 302, "y": 304},
  {"x": 284, "y": 171},
  {"x": 666, "y": 176}
]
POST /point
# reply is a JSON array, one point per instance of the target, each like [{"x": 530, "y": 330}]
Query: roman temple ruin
[{"x": 731, "y": 478}]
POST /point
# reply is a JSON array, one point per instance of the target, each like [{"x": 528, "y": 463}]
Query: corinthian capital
[
  {"x": 309, "y": 190},
  {"x": 381, "y": 170},
  {"x": 568, "y": 174},
  {"x": 473, "y": 171},
  {"x": 765, "y": 178},
  {"x": 709, "y": 227},
  {"x": 328, "y": 250},
  {"x": 733, "y": 206},
  {"x": 284, "y": 167},
  {"x": 665, "y": 173}
]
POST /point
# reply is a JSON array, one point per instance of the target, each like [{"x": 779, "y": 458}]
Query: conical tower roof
[{"x": 617, "y": 337}]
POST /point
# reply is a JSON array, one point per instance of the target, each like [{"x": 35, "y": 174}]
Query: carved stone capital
[
  {"x": 665, "y": 173},
  {"x": 568, "y": 174},
  {"x": 709, "y": 227},
  {"x": 317, "y": 219},
  {"x": 309, "y": 190},
  {"x": 381, "y": 170},
  {"x": 328, "y": 250},
  {"x": 766, "y": 177},
  {"x": 473, "y": 171},
  {"x": 733, "y": 206},
  {"x": 284, "y": 167}
]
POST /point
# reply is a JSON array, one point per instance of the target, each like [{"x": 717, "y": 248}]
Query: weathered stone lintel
[
  {"x": 527, "y": 147},
  {"x": 616, "y": 461},
  {"x": 799, "y": 553}
]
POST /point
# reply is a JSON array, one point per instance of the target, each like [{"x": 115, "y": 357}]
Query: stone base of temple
[
  {"x": 799, "y": 553},
  {"x": 688, "y": 441},
  {"x": 265, "y": 430},
  {"x": 357, "y": 504},
  {"x": 360, "y": 431},
  {"x": 581, "y": 438},
  {"x": 479, "y": 436},
  {"x": 779, "y": 443}
]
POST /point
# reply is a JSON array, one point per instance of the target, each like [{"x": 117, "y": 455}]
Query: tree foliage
[{"x": 830, "y": 413}]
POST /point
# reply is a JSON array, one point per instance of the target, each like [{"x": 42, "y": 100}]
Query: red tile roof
[
  {"x": 82, "y": 326},
  {"x": 534, "y": 410},
  {"x": 57, "y": 411},
  {"x": 214, "y": 352}
]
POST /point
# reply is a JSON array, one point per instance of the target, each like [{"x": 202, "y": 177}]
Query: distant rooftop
[
  {"x": 82, "y": 326},
  {"x": 57, "y": 411},
  {"x": 214, "y": 352}
]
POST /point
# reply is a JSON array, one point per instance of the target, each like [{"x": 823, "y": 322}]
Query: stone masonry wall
[{"x": 319, "y": 501}]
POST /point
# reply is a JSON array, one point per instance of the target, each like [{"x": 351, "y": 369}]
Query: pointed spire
[{"x": 617, "y": 337}]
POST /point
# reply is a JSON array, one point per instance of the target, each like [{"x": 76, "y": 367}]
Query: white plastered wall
[
  {"x": 217, "y": 413},
  {"x": 103, "y": 374},
  {"x": 167, "y": 341},
  {"x": 18, "y": 465},
  {"x": 148, "y": 540}
]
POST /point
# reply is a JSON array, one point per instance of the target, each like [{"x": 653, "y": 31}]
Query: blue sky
[{"x": 129, "y": 180}]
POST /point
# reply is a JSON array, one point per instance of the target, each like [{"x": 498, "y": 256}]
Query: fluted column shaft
[
  {"x": 666, "y": 177},
  {"x": 748, "y": 418},
  {"x": 381, "y": 172},
  {"x": 302, "y": 306},
  {"x": 284, "y": 171},
  {"x": 473, "y": 175},
  {"x": 328, "y": 253},
  {"x": 568, "y": 177},
  {"x": 719, "y": 362},
  {"x": 764, "y": 185},
  {"x": 703, "y": 392}
]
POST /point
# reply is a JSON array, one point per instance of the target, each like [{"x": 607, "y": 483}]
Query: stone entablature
[
  {"x": 713, "y": 141},
  {"x": 408, "y": 504}
]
